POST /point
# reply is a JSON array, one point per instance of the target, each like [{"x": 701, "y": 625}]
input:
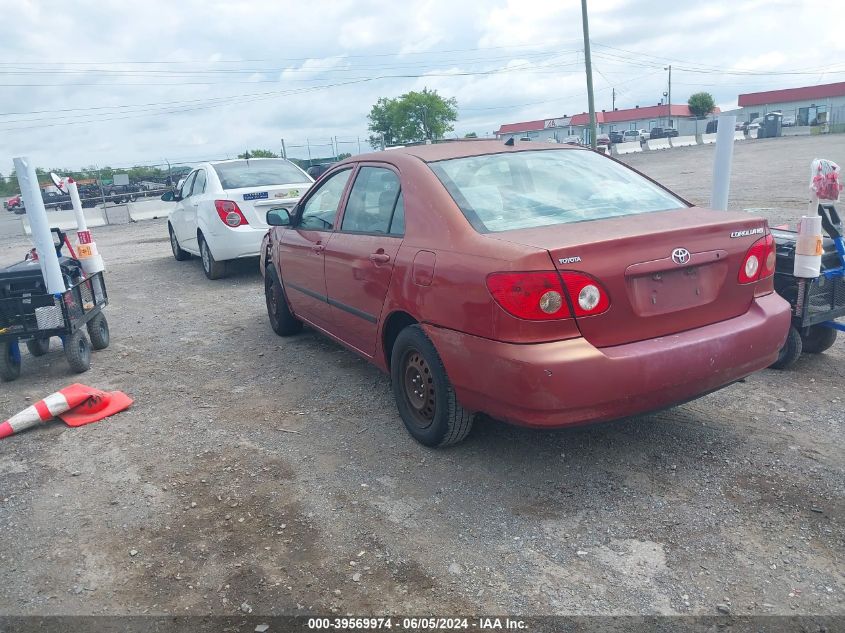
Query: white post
[
  {"x": 722, "y": 162},
  {"x": 86, "y": 248},
  {"x": 73, "y": 190},
  {"x": 37, "y": 214}
]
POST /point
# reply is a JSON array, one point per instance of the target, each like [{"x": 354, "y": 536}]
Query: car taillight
[
  {"x": 539, "y": 296},
  {"x": 759, "y": 261},
  {"x": 230, "y": 213},
  {"x": 588, "y": 296}
]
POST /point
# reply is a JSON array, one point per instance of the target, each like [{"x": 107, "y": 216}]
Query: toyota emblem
[{"x": 680, "y": 256}]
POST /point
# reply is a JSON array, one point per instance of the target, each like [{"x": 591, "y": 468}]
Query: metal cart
[
  {"x": 30, "y": 314},
  {"x": 816, "y": 303}
]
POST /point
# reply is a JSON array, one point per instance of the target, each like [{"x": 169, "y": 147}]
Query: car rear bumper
[
  {"x": 570, "y": 382},
  {"x": 232, "y": 243}
]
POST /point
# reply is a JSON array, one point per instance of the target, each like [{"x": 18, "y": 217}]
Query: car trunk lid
[
  {"x": 651, "y": 294},
  {"x": 255, "y": 201}
]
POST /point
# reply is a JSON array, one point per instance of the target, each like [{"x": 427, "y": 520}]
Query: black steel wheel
[
  {"x": 98, "y": 330},
  {"x": 210, "y": 266},
  {"x": 791, "y": 350},
  {"x": 78, "y": 352},
  {"x": 282, "y": 320},
  {"x": 424, "y": 395},
  {"x": 38, "y": 346},
  {"x": 10, "y": 361},
  {"x": 818, "y": 339}
]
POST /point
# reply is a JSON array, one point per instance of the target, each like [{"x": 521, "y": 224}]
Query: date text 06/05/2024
[{"x": 416, "y": 623}]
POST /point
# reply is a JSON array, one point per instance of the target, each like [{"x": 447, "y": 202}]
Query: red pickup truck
[{"x": 15, "y": 205}]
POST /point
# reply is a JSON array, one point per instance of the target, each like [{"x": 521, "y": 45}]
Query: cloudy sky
[{"x": 122, "y": 83}]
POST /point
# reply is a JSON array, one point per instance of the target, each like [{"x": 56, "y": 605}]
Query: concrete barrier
[
  {"x": 149, "y": 209},
  {"x": 118, "y": 214},
  {"x": 739, "y": 135},
  {"x": 66, "y": 220},
  {"x": 627, "y": 148},
  {"x": 752, "y": 133},
  {"x": 682, "y": 141},
  {"x": 658, "y": 143},
  {"x": 708, "y": 139},
  {"x": 799, "y": 130}
]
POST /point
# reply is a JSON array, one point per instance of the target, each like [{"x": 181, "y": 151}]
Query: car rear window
[
  {"x": 515, "y": 190},
  {"x": 258, "y": 173}
]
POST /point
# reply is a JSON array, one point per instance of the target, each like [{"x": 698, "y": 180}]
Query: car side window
[
  {"x": 319, "y": 211},
  {"x": 185, "y": 191},
  {"x": 371, "y": 201},
  {"x": 199, "y": 183}
]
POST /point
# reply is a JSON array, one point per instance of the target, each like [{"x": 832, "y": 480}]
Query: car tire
[
  {"x": 790, "y": 352},
  {"x": 282, "y": 320},
  {"x": 98, "y": 330},
  {"x": 210, "y": 266},
  {"x": 424, "y": 395},
  {"x": 818, "y": 339},
  {"x": 78, "y": 352},
  {"x": 178, "y": 254},
  {"x": 38, "y": 346},
  {"x": 10, "y": 361}
]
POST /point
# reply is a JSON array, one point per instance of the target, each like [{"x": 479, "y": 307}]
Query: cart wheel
[
  {"x": 38, "y": 346},
  {"x": 78, "y": 352},
  {"x": 10, "y": 363},
  {"x": 98, "y": 330},
  {"x": 818, "y": 339},
  {"x": 790, "y": 351}
]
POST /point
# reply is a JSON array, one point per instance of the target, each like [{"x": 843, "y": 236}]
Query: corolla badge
[{"x": 680, "y": 256}]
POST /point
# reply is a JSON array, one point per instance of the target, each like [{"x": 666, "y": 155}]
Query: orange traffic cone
[{"x": 75, "y": 405}]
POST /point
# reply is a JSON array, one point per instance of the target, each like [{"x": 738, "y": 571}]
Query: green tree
[
  {"x": 344, "y": 155},
  {"x": 258, "y": 153},
  {"x": 413, "y": 116},
  {"x": 471, "y": 135},
  {"x": 701, "y": 104}
]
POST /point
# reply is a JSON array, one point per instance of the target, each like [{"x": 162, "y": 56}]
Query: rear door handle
[{"x": 380, "y": 258}]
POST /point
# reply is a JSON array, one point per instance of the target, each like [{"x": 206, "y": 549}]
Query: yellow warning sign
[{"x": 84, "y": 250}]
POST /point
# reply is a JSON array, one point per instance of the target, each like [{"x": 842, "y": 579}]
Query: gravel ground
[{"x": 273, "y": 475}]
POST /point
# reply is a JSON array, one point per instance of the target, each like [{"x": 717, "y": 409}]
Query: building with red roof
[
  {"x": 675, "y": 116},
  {"x": 809, "y": 105}
]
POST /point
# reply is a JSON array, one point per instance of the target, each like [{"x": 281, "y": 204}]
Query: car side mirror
[
  {"x": 170, "y": 196},
  {"x": 279, "y": 217}
]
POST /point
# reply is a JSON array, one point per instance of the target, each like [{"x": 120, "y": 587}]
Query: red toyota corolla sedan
[{"x": 544, "y": 285}]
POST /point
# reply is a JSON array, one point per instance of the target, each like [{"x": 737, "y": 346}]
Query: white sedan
[{"x": 221, "y": 208}]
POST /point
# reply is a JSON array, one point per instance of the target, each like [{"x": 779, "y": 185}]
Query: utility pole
[
  {"x": 613, "y": 107},
  {"x": 588, "y": 62},
  {"x": 669, "y": 96},
  {"x": 284, "y": 149}
]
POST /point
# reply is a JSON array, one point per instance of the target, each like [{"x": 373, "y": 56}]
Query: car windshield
[
  {"x": 515, "y": 190},
  {"x": 258, "y": 173}
]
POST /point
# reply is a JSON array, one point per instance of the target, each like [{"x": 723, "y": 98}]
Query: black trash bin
[{"x": 770, "y": 126}]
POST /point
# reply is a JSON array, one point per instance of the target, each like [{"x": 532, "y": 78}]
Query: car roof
[{"x": 458, "y": 149}]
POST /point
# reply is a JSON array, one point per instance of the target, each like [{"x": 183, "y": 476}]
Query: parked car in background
[
  {"x": 741, "y": 126},
  {"x": 602, "y": 140},
  {"x": 661, "y": 132},
  {"x": 788, "y": 121},
  {"x": 572, "y": 140},
  {"x": 631, "y": 136},
  {"x": 615, "y": 137},
  {"x": 14, "y": 203},
  {"x": 755, "y": 124},
  {"x": 220, "y": 211},
  {"x": 433, "y": 261},
  {"x": 315, "y": 171}
]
